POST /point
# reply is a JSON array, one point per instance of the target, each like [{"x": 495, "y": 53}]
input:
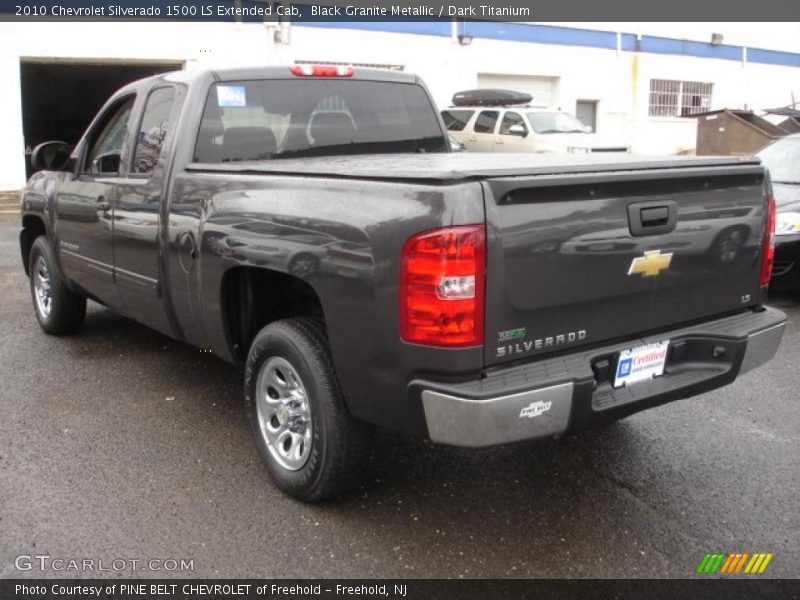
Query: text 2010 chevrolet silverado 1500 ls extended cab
[{"x": 311, "y": 224}]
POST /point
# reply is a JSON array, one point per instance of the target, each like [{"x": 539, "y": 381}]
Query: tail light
[
  {"x": 768, "y": 251},
  {"x": 321, "y": 71},
  {"x": 442, "y": 287}
]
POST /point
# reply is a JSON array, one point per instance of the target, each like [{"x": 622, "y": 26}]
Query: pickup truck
[{"x": 312, "y": 224}]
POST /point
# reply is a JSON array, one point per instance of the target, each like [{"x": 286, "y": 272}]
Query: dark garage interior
[{"x": 59, "y": 98}]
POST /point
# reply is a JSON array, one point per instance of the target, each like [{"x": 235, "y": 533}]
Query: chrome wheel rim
[
  {"x": 284, "y": 413},
  {"x": 42, "y": 290}
]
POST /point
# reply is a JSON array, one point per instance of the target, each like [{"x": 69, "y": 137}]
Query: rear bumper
[{"x": 567, "y": 393}]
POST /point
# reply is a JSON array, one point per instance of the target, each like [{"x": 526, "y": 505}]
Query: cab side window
[
  {"x": 486, "y": 121},
  {"x": 153, "y": 129},
  {"x": 105, "y": 144},
  {"x": 509, "y": 120}
]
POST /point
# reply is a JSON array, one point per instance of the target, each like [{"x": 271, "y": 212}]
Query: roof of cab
[
  {"x": 363, "y": 73},
  {"x": 254, "y": 73}
]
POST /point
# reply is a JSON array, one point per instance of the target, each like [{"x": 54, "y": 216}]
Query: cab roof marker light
[{"x": 321, "y": 71}]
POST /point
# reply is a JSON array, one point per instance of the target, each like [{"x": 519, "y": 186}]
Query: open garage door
[
  {"x": 543, "y": 89},
  {"x": 61, "y": 96}
]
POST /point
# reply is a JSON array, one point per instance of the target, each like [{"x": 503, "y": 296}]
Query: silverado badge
[{"x": 651, "y": 264}]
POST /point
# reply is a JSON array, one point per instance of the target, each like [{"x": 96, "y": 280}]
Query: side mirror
[
  {"x": 106, "y": 163},
  {"x": 50, "y": 156},
  {"x": 518, "y": 130}
]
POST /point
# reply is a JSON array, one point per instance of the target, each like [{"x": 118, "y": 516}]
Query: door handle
[
  {"x": 102, "y": 205},
  {"x": 652, "y": 218}
]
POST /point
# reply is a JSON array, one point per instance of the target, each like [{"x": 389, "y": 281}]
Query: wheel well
[
  {"x": 32, "y": 227},
  {"x": 252, "y": 298}
]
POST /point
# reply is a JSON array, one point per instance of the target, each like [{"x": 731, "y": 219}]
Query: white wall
[{"x": 618, "y": 81}]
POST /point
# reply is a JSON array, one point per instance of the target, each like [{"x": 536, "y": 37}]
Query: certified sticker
[{"x": 641, "y": 363}]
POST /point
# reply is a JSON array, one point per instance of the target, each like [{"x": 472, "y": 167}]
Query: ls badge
[{"x": 651, "y": 264}]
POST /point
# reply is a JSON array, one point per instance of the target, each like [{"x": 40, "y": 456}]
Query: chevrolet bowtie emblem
[{"x": 651, "y": 264}]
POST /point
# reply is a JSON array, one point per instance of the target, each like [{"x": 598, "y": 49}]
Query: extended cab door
[
  {"x": 137, "y": 213},
  {"x": 84, "y": 206}
]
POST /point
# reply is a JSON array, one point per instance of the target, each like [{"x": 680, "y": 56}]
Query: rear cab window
[{"x": 273, "y": 119}]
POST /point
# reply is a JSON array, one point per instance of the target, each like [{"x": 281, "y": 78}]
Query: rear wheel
[
  {"x": 58, "y": 310},
  {"x": 312, "y": 447}
]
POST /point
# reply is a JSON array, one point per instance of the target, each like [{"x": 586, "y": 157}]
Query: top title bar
[{"x": 396, "y": 10}]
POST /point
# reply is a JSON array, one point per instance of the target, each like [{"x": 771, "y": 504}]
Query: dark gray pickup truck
[{"x": 311, "y": 224}]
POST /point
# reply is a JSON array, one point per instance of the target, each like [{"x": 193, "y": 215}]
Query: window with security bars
[{"x": 670, "y": 98}]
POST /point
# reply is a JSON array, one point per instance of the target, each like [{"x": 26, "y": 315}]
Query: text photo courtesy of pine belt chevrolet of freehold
[{"x": 315, "y": 225}]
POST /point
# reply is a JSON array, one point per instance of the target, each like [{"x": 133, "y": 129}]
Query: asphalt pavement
[{"x": 119, "y": 443}]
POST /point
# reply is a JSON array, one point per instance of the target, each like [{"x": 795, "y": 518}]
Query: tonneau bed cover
[{"x": 460, "y": 166}]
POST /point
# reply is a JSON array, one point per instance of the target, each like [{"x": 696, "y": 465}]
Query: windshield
[
  {"x": 555, "y": 122},
  {"x": 782, "y": 158},
  {"x": 269, "y": 119}
]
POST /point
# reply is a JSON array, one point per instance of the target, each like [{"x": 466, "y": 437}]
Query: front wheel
[
  {"x": 58, "y": 310},
  {"x": 312, "y": 447}
]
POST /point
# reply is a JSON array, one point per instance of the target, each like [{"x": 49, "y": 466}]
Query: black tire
[
  {"x": 67, "y": 310},
  {"x": 339, "y": 443}
]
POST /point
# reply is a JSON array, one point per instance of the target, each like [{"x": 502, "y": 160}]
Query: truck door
[
  {"x": 137, "y": 213},
  {"x": 85, "y": 206}
]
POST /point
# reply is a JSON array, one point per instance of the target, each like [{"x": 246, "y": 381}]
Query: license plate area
[{"x": 640, "y": 363}]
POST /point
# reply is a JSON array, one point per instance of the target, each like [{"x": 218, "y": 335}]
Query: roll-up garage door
[{"x": 543, "y": 89}]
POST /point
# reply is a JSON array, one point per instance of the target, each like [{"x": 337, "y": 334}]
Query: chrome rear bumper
[{"x": 553, "y": 396}]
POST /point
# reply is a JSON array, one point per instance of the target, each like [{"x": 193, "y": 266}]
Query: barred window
[{"x": 679, "y": 98}]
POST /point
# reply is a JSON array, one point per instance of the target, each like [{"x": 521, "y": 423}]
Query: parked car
[
  {"x": 782, "y": 158},
  {"x": 503, "y": 125},
  {"x": 436, "y": 295}
]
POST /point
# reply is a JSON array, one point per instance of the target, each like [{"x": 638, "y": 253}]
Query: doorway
[{"x": 586, "y": 111}]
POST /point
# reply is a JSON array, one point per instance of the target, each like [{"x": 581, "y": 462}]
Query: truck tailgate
[{"x": 574, "y": 260}]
